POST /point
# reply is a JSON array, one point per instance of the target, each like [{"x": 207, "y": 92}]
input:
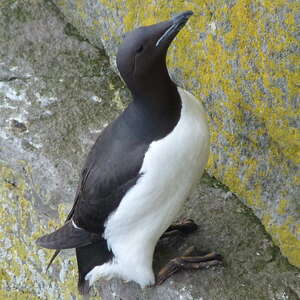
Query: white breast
[{"x": 170, "y": 169}]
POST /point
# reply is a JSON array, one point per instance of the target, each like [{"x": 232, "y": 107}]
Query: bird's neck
[
  {"x": 155, "y": 109},
  {"x": 156, "y": 90}
]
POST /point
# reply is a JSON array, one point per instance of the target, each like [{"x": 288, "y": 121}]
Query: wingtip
[
  {"x": 66, "y": 237},
  {"x": 39, "y": 242},
  {"x": 43, "y": 242}
]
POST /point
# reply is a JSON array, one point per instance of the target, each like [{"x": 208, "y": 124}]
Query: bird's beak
[{"x": 175, "y": 25}]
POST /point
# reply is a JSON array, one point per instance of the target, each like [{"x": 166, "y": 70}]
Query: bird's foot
[
  {"x": 183, "y": 227},
  {"x": 188, "y": 261}
]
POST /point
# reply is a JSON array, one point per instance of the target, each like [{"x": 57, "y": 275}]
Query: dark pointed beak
[{"x": 177, "y": 22}]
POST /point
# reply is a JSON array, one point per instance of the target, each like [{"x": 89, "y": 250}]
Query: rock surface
[
  {"x": 242, "y": 63},
  {"x": 57, "y": 92}
]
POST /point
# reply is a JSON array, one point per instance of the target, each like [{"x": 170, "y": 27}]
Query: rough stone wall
[
  {"x": 56, "y": 94},
  {"x": 57, "y": 91},
  {"x": 240, "y": 58}
]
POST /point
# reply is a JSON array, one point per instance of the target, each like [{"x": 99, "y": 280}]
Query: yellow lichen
[
  {"x": 19, "y": 228},
  {"x": 281, "y": 209},
  {"x": 285, "y": 237}
]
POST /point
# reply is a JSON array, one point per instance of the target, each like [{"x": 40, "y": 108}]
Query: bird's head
[{"x": 143, "y": 51}]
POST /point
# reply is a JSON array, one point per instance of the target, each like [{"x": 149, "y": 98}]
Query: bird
[{"x": 139, "y": 172}]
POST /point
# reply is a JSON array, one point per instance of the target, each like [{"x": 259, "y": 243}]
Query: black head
[{"x": 142, "y": 55}]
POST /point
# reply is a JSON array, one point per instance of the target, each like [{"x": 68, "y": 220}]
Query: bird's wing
[
  {"x": 70, "y": 215},
  {"x": 111, "y": 169}
]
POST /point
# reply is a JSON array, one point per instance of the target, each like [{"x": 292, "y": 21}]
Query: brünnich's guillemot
[{"x": 140, "y": 170}]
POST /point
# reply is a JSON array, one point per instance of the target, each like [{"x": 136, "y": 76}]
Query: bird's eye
[{"x": 140, "y": 49}]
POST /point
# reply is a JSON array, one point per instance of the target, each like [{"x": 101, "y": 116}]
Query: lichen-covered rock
[
  {"x": 57, "y": 92},
  {"x": 240, "y": 58}
]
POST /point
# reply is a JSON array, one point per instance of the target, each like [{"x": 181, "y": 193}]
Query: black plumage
[{"x": 113, "y": 164}]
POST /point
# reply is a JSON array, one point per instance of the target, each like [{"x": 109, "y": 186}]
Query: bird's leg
[
  {"x": 187, "y": 261},
  {"x": 184, "y": 226}
]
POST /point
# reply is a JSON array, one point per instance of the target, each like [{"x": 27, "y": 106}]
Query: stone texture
[
  {"x": 240, "y": 58},
  {"x": 57, "y": 92}
]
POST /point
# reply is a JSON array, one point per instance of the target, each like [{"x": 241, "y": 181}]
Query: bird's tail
[
  {"x": 89, "y": 257},
  {"x": 91, "y": 249},
  {"x": 66, "y": 237}
]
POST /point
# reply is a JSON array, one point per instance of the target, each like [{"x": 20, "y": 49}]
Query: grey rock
[{"x": 57, "y": 92}]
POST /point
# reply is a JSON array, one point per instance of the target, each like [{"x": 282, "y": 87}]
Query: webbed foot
[{"x": 188, "y": 261}]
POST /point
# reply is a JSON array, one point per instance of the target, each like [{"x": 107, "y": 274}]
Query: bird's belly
[{"x": 170, "y": 168}]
